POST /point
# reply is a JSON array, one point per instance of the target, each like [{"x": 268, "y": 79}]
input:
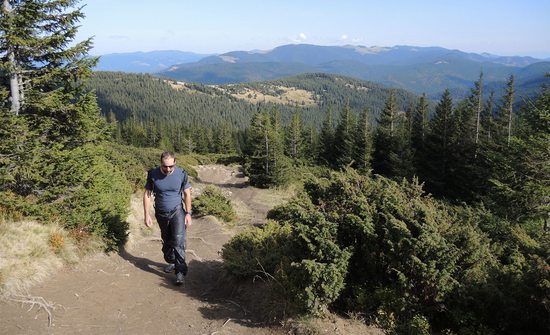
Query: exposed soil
[{"x": 128, "y": 292}]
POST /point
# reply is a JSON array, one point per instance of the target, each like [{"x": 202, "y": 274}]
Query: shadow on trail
[
  {"x": 145, "y": 264},
  {"x": 207, "y": 282}
]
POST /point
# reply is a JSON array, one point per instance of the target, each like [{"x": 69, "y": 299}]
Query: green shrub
[
  {"x": 82, "y": 189},
  {"x": 257, "y": 251},
  {"x": 213, "y": 202},
  {"x": 405, "y": 260},
  {"x": 300, "y": 254}
]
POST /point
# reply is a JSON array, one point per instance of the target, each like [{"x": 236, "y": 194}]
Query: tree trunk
[
  {"x": 479, "y": 106},
  {"x": 15, "y": 94}
]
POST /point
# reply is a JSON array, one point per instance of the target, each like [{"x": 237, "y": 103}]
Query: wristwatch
[{"x": 189, "y": 212}]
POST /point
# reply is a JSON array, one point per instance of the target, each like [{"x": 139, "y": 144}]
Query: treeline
[
  {"x": 146, "y": 111},
  {"x": 466, "y": 151},
  {"x": 433, "y": 224}
]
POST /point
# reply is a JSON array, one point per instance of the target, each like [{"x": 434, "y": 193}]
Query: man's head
[{"x": 167, "y": 162}]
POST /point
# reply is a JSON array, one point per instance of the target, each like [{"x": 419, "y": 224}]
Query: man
[{"x": 169, "y": 184}]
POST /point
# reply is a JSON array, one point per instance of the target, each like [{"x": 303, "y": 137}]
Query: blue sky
[{"x": 502, "y": 27}]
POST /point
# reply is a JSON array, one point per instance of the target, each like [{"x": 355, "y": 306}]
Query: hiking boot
[
  {"x": 179, "y": 278},
  {"x": 169, "y": 268}
]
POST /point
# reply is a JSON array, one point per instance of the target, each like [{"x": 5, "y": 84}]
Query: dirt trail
[{"x": 129, "y": 293}]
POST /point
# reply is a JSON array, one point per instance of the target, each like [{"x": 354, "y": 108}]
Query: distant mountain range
[
  {"x": 418, "y": 69},
  {"x": 146, "y": 62}
]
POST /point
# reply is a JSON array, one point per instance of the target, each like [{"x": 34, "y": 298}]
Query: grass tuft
[{"x": 30, "y": 252}]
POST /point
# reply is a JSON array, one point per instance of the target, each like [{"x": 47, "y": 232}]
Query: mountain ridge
[{"x": 427, "y": 70}]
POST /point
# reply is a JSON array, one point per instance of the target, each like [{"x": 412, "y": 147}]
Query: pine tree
[
  {"x": 223, "y": 139},
  {"x": 469, "y": 116},
  {"x": 310, "y": 145},
  {"x": 505, "y": 117},
  {"x": 60, "y": 159},
  {"x": 265, "y": 162},
  {"x": 393, "y": 153},
  {"x": 522, "y": 177},
  {"x": 343, "y": 138},
  {"x": 326, "y": 141},
  {"x": 469, "y": 164},
  {"x": 488, "y": 121},
  {"x": 385, "y": 138},
  {"x": 363, "y": 143},
  {"x": 43, "y": 79},
  {"x": 419, "y": 130},
  {"x": 294, "y": 145},
  {"x": 477, "y": 101},
  {"x": 437, "y": 168},
  {"x": 34, "y": 40}
]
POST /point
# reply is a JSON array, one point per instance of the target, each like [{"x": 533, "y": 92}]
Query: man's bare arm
[{"x": 146, "y": 207}]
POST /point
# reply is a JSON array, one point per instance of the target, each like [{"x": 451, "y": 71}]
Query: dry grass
[
  {"x": 30, "y": 252},
  {"x": 137, "y": 229},
  {"x": 276, "y": 94},
  {"x": 279, "y": 95}
]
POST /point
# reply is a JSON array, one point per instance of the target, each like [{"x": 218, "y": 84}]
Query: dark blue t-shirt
[{"x": 167, "y": 189}]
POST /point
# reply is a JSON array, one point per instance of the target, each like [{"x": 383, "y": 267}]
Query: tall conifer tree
[
  {"x": 506, "y": 117},
  {"x": 60, "y": 160},
  {"x": 522, "y": 178},
  {"x": 419, "y": 130},
  {"x": 363, "y": 143},
  {"x": 343, "y": 138},
  {"x": 294, "y": 143},
  {"x": 393, "y": 154},
  {"x": 42, "y": 78},
  {"x": 326, "y": 141},
  {"x": 437, "y": 168},
  {"x": 265, "y": 162}
]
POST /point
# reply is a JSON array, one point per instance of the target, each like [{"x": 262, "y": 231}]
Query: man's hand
[
  {"x": 188, "y": 220},
  {"x": 148, "y": 221}
]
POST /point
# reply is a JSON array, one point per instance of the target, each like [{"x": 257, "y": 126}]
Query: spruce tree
[
  {"x": 35, "y": 53},
  {"x": 343, "y": 138},
  {"x": 469, "y": 162},
  {"x": 294, "y": 144},
  {"x": 488, "y": 121},
  {"x": 43, "y": 78},
  {"x": 437, "y": 169},
  {"x": 419, "y": 130},
  {"x": 223, "y": 139},
  {"x": 522, "y": 174},
  {"x": 326, "y": 141},
  {"x": 310, "y": 145},
  {"x": 363, "y": 143},
  {"x": 265, "y": 162},
  {"x": 505, "y": 116},
  {"x": 60, "y": 159},
  {"x": 392, "y": 153},
  {"x": 385, "y": 138}
]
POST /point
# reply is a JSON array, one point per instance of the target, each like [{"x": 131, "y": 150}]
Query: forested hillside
[{"x": 190, "y": 117}]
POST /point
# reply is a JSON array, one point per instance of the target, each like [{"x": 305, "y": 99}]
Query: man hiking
[{"x": 170, "y": 187}]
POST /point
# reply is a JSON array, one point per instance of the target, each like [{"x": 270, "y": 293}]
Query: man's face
[{"x": 167, "y": 166}]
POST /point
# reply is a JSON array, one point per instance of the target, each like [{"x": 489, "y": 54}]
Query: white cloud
[
  {"x": 299, "y": 39},
  {"x": 344, "y": 37}
]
